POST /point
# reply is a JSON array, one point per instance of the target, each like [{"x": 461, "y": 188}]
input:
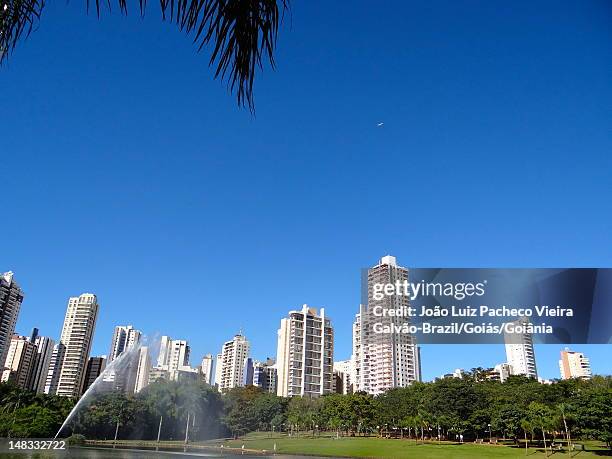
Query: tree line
[{"x": 469, "y": 409}]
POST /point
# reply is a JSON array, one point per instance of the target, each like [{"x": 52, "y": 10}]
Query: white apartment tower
[
  {"x": 173, "y": 360},
  {"x": 520, "y": 353},
  {"x": 125, "y": 337},
  {"x": 357, "y": 354},
  {"x": 305, "y": 354},
  {"x": 11, "y": 297},
  {"x": 230, "y": 363},
  {"x": 218, "y": 370},
  {"x": 55, "y": 368},
  {"x": 164, "y": 351},
  {"x": 574, "y": 365},
  {"x": 19, "y": 363},
  {"x": 142, "y": 371},
  {"x": 384, "y": 361},
  {"x": 207, "y": 368},
  {"x": 122, "y": 376},
  {"x": 77, "y": 336},
  {"x": 173, "y": 354}
]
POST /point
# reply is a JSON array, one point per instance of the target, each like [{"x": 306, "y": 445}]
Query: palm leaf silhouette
[{"x": 241, "y": 33}]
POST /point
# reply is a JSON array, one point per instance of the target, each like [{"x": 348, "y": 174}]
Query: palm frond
[
  {"x": 242, "y": 34},
  {"x": 17, "y": 20}
]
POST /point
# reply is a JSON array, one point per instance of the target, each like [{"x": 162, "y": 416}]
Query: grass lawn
[{"x": 386, "y": 448}]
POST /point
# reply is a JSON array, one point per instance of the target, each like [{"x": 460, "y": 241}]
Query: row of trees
[
  {"x": 26, "y": 414},
  {"x": 446, "y": 409},
  {"x": 467, "y": 408}
]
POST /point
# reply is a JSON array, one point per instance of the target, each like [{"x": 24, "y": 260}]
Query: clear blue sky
[{"x": 128, "y": 172}]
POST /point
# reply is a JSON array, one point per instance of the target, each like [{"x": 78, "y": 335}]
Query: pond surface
[{"x": 110, "y": 453}]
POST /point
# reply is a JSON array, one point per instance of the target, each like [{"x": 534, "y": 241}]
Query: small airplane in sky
[{"x": 379, "y": 124}]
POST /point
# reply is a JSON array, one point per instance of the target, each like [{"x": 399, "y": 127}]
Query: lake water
[{"x": 104, "y": 453}]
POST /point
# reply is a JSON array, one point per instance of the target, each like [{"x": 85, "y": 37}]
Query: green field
[{"x": 391, "y": 448}]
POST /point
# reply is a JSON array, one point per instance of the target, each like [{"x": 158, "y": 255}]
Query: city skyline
[
  {"x": 494, "y": 153},
  {"x": 277, "y": 228},
  {"x": 128, "y": 335}
]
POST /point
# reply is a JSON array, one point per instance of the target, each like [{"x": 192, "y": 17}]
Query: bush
[{"x": 76, "y": 439}]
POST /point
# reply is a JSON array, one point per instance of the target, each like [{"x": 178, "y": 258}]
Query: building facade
[
  {"x": 77, "y": 337},
  {"x": 19, "y": 362},
  {"x": 230, "y": 363},
  {"x": 574, "y": 365},
  {"x": 125, "y": 337},
  {"x": 384, "y": 361},
  {"x": 206, "y": 369},
  {"x": 121, "y": 375},
  {"x": 305, "y": 354},
  {"x": 55, "y": 367},
  {"x": 11, "y": 297},
  {"x": 343, "y": 376},
  {"x": 157, "y": 374},
  {"x": 173, "y": 358},
  {"x": 520, "y": 354},
  {"x": 95, "y": 367},
  {"x": 247, "y": 372},
  {"x": 44, "y": 352},
  {"x": 265, "y": 376},
  {"x": 173, "y": 354},
  {"x": 143, "y": 369}
]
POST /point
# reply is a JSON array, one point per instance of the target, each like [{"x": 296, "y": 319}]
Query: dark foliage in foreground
[{"x": 27, "y": 414}]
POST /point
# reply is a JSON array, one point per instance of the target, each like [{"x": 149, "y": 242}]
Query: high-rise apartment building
[
  {"x": 305, "y": 354},
  {"x": 230, "y": 363},
  {"x": 121, "y": 376},
  {"x": 247, "y": 372},
  {"x": 520, "y": 353},
  {"x": 77, "y": 336},
  {"x": 55, "y": 368},
  {"x": 19, "y": 362},
  {"x": 358, "y": 361},
  {"x": 95, "y": 367},
  {"x": 206, "y": 369},
  {"x": 574, "y": 365},
  {"x": 11, "y": 297},
  {"x": 264, "y": 376},
  {"x": 218, "y": 370},
  {"x": 384, "y": 361},
  {"x": 173, "y": 354},
  {"x": 125, "y": 337},
  {"x": 173, "y": 358},
  {"x": 143, "y": 368},
  {"x": 44, "y": 352},
  {"x": 164, "y": 351}
]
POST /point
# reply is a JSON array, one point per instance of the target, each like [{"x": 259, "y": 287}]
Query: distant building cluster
[
  {"x": 521, "y": 361},
  {"x": 304, "y": 363}
]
